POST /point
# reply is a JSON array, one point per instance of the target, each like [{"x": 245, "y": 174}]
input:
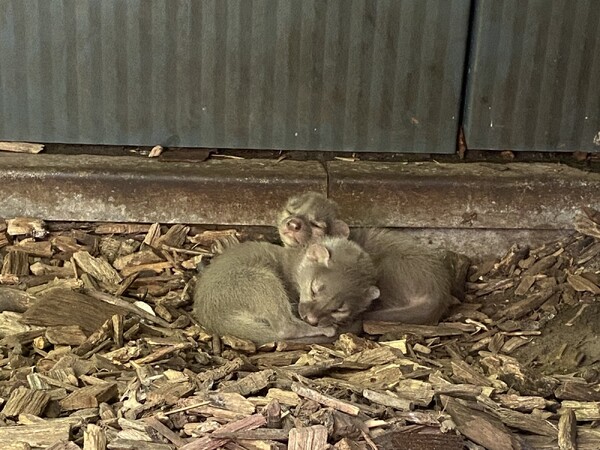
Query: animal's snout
[
  {"x": 294, "y": 224},
  {"x": 307, "y": 315}
]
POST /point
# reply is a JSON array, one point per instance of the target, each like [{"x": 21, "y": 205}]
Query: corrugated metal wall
[
  {"x": 534, "y": 77},
  {"x": 374, "y": 75}
]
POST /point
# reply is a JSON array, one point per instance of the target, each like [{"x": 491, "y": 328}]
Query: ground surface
[
  {"x": 565, "y": 345},
  {"x": 99, "y": 350}
]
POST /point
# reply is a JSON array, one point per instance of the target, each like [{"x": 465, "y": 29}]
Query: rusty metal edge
[
  {"x": 249, "y": 192},
  {"x": 133, "y": 189},
  {"x": 465, "y": 196}
]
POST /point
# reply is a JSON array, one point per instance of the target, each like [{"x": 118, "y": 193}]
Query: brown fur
[
  {"x": 414, "y": 283},
  {"x": 253, "y": 289}
]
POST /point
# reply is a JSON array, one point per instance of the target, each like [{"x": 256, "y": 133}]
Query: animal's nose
[
  {"x": 306, "y": 315},
  {"x": 294, "y": 224},
  {"x": 312, "y": 319}
]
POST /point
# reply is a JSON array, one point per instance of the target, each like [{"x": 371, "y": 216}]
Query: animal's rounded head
[
  {"x": 336, "y": 280},
  {"x": 308, "y": 218}
]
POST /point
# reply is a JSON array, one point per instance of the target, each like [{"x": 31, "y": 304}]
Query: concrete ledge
[
  {"x": 479, "y": 243},
  {"x": 472, "y": 195},
  {"x": 135, "y": 189},
  {"x": 477, "y": 208},
  {"x": 249, "y": 192}
]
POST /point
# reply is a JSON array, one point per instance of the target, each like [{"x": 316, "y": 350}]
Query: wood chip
[
  {"x": 584, "y": 411},
  {"x": 15, "y": 263},
  {"x": 136, "y": 444},
  {"x": 520, "y": 308},
  {"x": 121, "y": 228},
  {"x": 309, "y": 438},
  {"x": 419, "y": 330},
  {"x": 206, "y": 238},
  {"x": 284, "y": 397},
  {"x": 481, "y": 428},
  {"x": 175, "y": 236},
  {"x": 15, "y": 300},
  {"x": 388, "y": 399},
  {"x": 97, "y": 267},
  {"x": 208, "y": 443},
  {"x": 251, "y": 383},
  {"x": 65, "y": 335},
  {"x": 579, "y": 391},
  {"x": 165, "y": 431},
  {"x": 38, "y": 435},
  {"x": 581, "y": 284},
  {"x": 242, "y": 345},
  {"x": 467, "y": 374},
  {"x": 334, "y": 403},
  {"x": 64, "y": 307},
  {"x": 123, "y": 305},
  {"x": 94, "y": 438},
  {"x": 521, "y": 403},
  {"x": 26, "y": 226},
  {"x": 137, "y": 259},
  {"x": 43, "y": 249},
  {"x": 154, "y": 267},
  {"x": 26, "y": 401},
  {"x": 567, "y": 431},
  {"x": 62, "y": 445},
  {"x": 89, "y": 396},
  {"x": 21, "y": 147}
]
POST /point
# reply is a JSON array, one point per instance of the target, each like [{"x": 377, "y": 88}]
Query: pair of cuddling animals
[{"x": 325, "y": 280}]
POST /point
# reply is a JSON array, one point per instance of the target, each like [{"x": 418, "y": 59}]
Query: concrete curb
[
  {"x": 472, "y": 195},
  {"x": 135, "y": 189},
  {"x": 249, "y": 192}
]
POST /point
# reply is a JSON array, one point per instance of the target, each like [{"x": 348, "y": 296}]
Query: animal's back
[
  {"x": 409, "y": 275},
  {"x": 242, "y": 292}
]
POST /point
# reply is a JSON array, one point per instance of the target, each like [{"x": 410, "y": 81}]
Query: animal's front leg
[{"x": 297, "y": 329}]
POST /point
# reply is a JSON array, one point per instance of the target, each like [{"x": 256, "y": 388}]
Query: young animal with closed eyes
[
  {"x": 415, "y": 283},
  {"x": 254, "y": 290}
]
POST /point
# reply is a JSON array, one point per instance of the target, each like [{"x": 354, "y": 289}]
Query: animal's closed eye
[
  {"x": 316, "y": 287},
  {"x": 341, "y": 314},
  {"x": 318, "y": 224}
]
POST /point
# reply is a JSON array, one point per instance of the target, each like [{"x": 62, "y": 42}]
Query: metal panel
[
  {"x": 374, "y": 75},
  {"x": 533, "y": 76}
]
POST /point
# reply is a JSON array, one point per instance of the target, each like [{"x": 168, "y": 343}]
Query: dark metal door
[
  {"x": 346, "y": 75},
  {"x": 533, "y": 80}
]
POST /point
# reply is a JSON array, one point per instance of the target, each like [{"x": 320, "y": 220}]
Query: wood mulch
[{"x": 98, "y": 350}]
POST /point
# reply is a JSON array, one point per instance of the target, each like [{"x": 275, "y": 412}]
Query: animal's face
[
  {"x": 307, "y": 218},
  {"x": 336, "y": 283}
]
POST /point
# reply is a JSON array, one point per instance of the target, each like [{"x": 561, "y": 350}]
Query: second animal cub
[
  {"x": 255, "y": 290},
  {"x": 414, "y": 282}
]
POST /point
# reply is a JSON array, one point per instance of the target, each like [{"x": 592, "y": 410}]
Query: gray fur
[
  {"x": 414, "y": 283},
  {"x": 314, "y": 214},
  {"x": 252, "y": 290},
  {"x": 332, "y": 293}
]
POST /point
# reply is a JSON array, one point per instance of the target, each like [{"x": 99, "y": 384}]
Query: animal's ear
[
  {"x": 292, "y": 203},
  {"x": 318, "y": 253},
  {"x": 340, "y": 228},
  {"x": 373, "y": 293}
]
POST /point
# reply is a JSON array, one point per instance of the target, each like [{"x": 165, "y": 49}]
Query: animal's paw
[
  {"x": 329, "y": 331},
  {"x": 223, "y": 243}
]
